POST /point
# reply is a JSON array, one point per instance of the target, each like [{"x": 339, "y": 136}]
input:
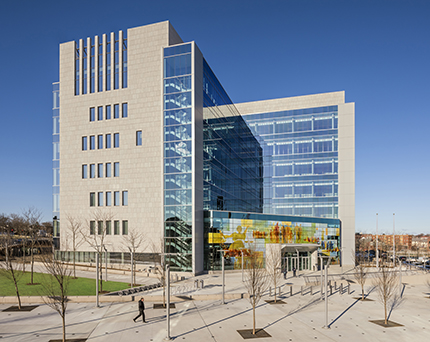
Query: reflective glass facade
[
  {"x": 235, "y": 231},
  {"x": 300, "y": 156},
  {"x": 56, "y": 155},
  {"x": 178, "y": 205}
]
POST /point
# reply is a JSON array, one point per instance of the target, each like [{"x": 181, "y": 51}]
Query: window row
[
  {"x": 105, "y": 227},
  {"x": 105, "y": 112},
  {"x": 100, "y": 169},
  {"x": 101, "y": 198},
  {"x": 99, "y": 141}
]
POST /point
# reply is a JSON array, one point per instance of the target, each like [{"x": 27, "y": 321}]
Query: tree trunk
[
  {"x": 23, "y": 256},
  {"x": 253, "y": 318},
  {"x": 32, "y": 263},
  {"x": 63, "y": 316},
  {"x": 101, "y": 273},
  {"x": 385, "y": 308},
  {"x": 275, "y": 288},
  {"x": 74, "y": 263},
  {"x": 17, "y": 292},
  {"x": 362, "y": 293}
]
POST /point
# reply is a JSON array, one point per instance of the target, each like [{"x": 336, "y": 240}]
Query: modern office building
[{"x": 147, "y": 140}]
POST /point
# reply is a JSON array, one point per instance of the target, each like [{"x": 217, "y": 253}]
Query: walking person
[
  {"x": 285, "y": 273},
  {"x": 141, "y": 310}
]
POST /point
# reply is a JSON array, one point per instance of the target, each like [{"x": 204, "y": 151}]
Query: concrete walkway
[{"x": 300, "y": 319}]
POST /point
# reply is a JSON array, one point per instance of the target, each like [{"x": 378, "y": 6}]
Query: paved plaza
[{"x": 205, "y": 318}]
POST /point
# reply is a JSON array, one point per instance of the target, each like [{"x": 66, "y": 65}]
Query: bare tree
[
  {"x": 256, "y": 280},
  {"x": 75, "y": 236},
  {"x": 360, "y": 271},
  {"x": 133, "y": 241},
  {"x": 19, "y": 226},
  {"x": 386, "y": 283},
  {"x": 159, "y": 265},
  {"x": 273, "y": 264},
  {"x": 98, "y": 227},
  {"x": 56, "y": 289},
  {"x": 32, "y": 217},
  {"x": 10, "y": 267}
]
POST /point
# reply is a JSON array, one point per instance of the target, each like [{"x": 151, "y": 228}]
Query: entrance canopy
[{"x": 301, "y": 247}]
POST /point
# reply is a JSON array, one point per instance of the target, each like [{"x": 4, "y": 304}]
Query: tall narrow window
[
  {"x": 92, "y": 227},
  {"x": 116, "y": 201},
  {"x": 116, "y": 227},
  {"x": 92, "y": 199},
  {"x": 100, "y": 170},
  {"x": 116, "y": 169},
  {"x": 108, "y": 198},
  {"x": 125, "y": 227},
  {"x": 92, "y": 69},
  {"x": 116, "y": 140},
  {"x": 124, "y": 110},
  {"x": 92, "y": 114},
  {"x": 108, "y": 140},
  {"x": 84, "y": 171},
  {"x": 84, "y": 143},
  {"x": 100, "y": 113},
  {"x": 139, "y": 138},
  {"x": 100, "y": 67},
  {"x": 92, "y": 170},
  {"x": 108, "y": 169},
  {"x": 108, "y": 227},
  {"x": 92, "y": 142},
  {"x": 100, "y": 141},
  {"x": 124, "y": 63},
  {"x": 77, "y": 60},
  {"x": 116, "y": 61},
  {"x": 116, "y": 111},
  {"x": 100, "y": 199},
  {"x": 125, "y": 198},
  {"x": 100, "y": 227},
  {"x": 84, "y": 69},
  {"x": 108, "y": 65},
  {"x": 108, "y": 113}
]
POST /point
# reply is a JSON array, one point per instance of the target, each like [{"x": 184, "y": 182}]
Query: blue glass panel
[
  {"x": 178, "y": 181},
  {"x": 177, "y": 197},
  {"x": 177, "y": 50},
  {"x": 183, "y": 213},
  {"x": 177, "y": 149},
  {"x": 179, "y": 132},
  {"x": 180, "y": 100},
  {"x": 177, "y": 66},
  {"x": 179, "y": 116},
  {"x": 175, "y": 165},
  {"x": 177, "y": 84}
]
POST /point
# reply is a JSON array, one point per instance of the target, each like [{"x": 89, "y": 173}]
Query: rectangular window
[
  {"x": 139, "y": 138},
  {"x": 92, "y": 114},
  {"x": 108, "y": 227},
  {"x": 124, "y": 63},
  {"x": 116, "y": 227},
  {"x": 125, "y": 227},
  {"x": 100, "y": 67},
  {"x": 100, "y": 227},
  {"x": 125, "y": 198},
  {"x": 100, "y": 113},
  {"x": 108, "y": 66},
  {"x": 116, "y": 140},
  {"x": 108, "y": 140},
  {"x": 116, "y": 169},
  {"x": 92, "y": 199},
  {"x": 84, "y": 171},
  {"x": 92, "y": 142},
  {"x": 116, "y": 62},
  {"x": 92, "y": 227},
  {"x": 100, "y": 199},
  {"x": 116, "y": 111},
  {"x": 108, "y": 113},
  {"x": 124, "y": 110},
  {"x": 84, "y": 143},
  {"x": 108, "y": 198},
  {"x": 92, "y": 170},
  {"x": 108, "y": 170},
  {"x": 116, "y": 198},
  {"x": 100, "y": 170},
  {"x": 100, "y": 141}
]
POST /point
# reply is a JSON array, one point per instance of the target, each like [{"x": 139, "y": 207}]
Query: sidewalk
[{"x": 300, "y": 319}]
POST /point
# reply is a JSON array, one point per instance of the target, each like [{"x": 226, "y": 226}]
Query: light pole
[
  {"x": 223, "y": 275},
  {"x": 105, "y": 261},
  {"x": 168, "y": 301},
  {"x": 131, "y": 260},
  {"x": 394, "y": 244},
  {"x": 377, "y": 247},
  {"x": 241, "y": 251},
  {"x": 326, "y": 326},
  {"x": 97, "y": 279}
]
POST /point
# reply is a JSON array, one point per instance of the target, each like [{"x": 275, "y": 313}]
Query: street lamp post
[
  {"x": 168, "y": 301},
  {"x": 223, "y": 275},
  {"x": 241, "y": 251},
  {"x": 326, "y": 292},
  {"x": 97, "y": 279},
  {"x": 105, "y": 262}
]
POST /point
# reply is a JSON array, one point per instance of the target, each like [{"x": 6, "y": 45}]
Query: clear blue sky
[{"x": 377, "y": 51}]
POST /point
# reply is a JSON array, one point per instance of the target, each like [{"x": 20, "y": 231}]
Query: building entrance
[{"x": 300, "y": 261}]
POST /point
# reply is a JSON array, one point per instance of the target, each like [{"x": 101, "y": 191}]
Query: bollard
[
  {"x": 331, "y": 290},
  {"x": 301, "y": 290},
  {"x": 341, "y": 289},
  {"x": 349, "y": 291},
  {"x": 270, "y": 291},
  {"x": 280, "y": 292},
  {"x": 311, "y": 291},
  {"x": 329, "y": 283},
  {"x": 291, "y": 290},
  {"x": 201, "y": 283},
  {"x": 335, "y": 286}
]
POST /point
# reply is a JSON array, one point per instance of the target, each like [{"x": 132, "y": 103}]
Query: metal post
[
  {"x": 377, "y": 247},
  {"x": 241, "y": 251},
  {"x": 325, "y": 295},
  {"x": 400, "y": 277},
  {"x": 321, "y": 278},
  {"x": 168, "y": 302},
  {"x": 394, "y": 243},
  {"x": 106, "y": 263},
  {"x": 223, "y": 277},
  {"x": 97, "y": 279}
]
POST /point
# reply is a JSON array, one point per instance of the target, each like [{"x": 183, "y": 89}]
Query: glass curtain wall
[
  {"x": 232, "y": 166},
  {"x": 300, "y": 154},
  {"x": 56, "y": 156},
  {"x": 178, "y": 157}
]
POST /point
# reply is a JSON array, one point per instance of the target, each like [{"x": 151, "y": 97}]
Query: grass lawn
[{"x": 77, "y": 287}]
